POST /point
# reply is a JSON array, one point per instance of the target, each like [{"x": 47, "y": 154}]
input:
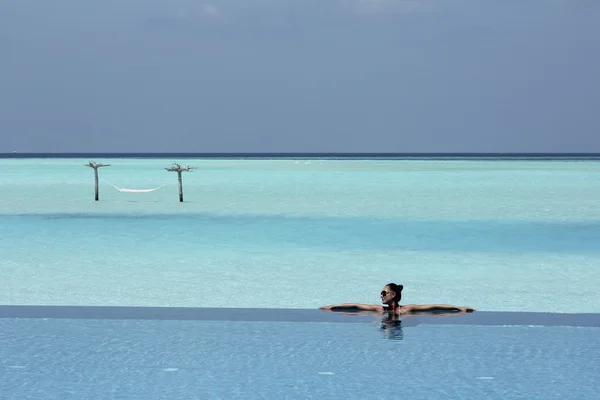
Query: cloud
[
  {"x": 392, "y": 6},
  {"x": 210, "y": 10},
  {"x": 200, "y": 12},
  {"x": 284, "y": 14}
]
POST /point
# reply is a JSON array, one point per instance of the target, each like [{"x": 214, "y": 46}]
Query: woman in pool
[{"x": 390, "y": 298}]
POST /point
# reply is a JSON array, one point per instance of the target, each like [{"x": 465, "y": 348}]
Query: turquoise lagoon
[{"x": 498, "y": 235}]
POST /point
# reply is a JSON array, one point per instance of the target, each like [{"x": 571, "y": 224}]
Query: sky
[{"x": 300, "y": 76}]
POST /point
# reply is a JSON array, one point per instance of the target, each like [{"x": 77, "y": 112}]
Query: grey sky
[{"x": 300, "y": 76}]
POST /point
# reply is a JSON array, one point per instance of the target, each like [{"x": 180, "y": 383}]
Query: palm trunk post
[
  {"x": 95, "y": 166},
  {"x": 179, "y": 169}
]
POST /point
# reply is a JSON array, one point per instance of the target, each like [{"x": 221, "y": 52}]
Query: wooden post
[
  {"x": 180, "y": 186},
  {"x": 95, "y": 165},
  {"x": 179, "y": 169}
]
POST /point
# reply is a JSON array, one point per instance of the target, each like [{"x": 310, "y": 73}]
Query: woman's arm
[
  {"x": 433, "y": 307},
  {"x": 352, "y": 307}
]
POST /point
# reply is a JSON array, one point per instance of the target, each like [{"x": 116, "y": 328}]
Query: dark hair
[{"x": 396, "y": 289}]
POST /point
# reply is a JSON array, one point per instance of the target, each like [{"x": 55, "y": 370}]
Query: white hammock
[{"x": 124, "y": 190}]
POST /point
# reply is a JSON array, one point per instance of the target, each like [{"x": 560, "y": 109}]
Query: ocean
[{"x": 496, "y": 234}]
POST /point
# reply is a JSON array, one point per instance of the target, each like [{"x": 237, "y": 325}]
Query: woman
[{"x": 390, "y": 297}]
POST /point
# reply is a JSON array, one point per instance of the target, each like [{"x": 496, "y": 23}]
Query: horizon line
[{"x": 297, "y": 154}]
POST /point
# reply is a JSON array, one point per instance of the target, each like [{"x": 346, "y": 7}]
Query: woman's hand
[{"x": 326, "y": 308}]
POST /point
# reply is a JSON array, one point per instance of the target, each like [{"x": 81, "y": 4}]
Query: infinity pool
[{"x": 186, "y": 353}]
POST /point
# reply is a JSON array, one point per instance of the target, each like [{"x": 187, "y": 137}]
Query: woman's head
[{"x": 391, "y": 293}]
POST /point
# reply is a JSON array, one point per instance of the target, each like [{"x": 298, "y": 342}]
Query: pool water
[{"x": 295, "y": 354}]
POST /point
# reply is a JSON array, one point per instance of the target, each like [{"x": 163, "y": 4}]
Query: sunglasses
[{"x": 384, "y": 293}]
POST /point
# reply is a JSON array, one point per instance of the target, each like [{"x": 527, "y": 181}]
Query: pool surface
[{"x": 188, "y": 353}]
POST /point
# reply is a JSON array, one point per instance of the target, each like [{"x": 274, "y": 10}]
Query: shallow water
[{"x": 495, "y": 235}]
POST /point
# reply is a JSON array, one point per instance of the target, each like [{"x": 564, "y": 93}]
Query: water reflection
[
  {"x": 391, "y": 327},
  {"x": 392, "y": 324}
]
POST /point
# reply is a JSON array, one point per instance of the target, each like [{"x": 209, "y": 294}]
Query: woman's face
[{"x": 387, "y": 295}]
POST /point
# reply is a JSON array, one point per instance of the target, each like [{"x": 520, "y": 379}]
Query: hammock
[{"x": 124, "y": 190}]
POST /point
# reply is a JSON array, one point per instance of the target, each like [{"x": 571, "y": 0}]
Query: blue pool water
[{"x": 295, "y": 354}]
